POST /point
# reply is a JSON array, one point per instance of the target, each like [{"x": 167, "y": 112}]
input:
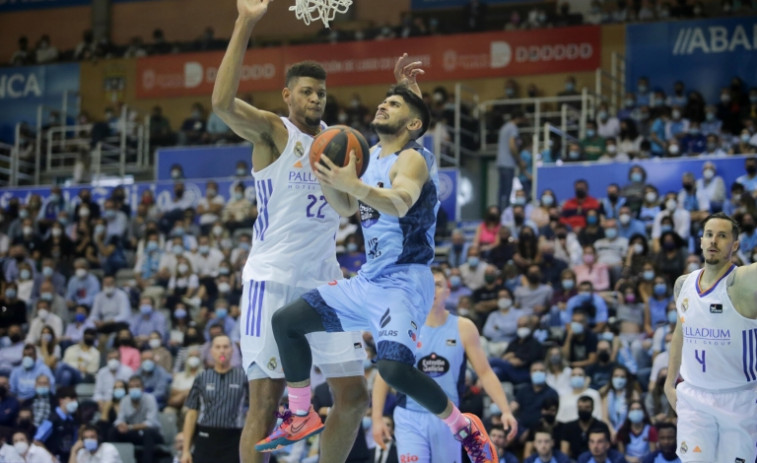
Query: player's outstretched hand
[
  {"x": 406, "y": 71},
  {"x": 252, "y": 10},
  {"x": 511, "y": 425},
  {"x": 343, "y": 179},
  {"x": 381, "y": 433}
]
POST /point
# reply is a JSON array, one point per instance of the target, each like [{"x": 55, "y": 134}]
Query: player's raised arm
[
  {"x": 244, "y": 119},
  {"x": 406, "y": 72}
]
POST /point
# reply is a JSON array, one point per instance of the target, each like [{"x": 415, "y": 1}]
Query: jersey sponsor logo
[
  {"x": 716, "y": 308},
  {"x": 433, "y": 365},
  {"x": 300, "y": 180},
  {"x": 372, "y": 250},
  {"x": 739, "y": 460},
  {"x": 333, "y": 283},
  {"x": 386, "y": 318},
  {"x": 697, "y": 449},
  {"x": 451, "y": 342},
  {"x": 297, "y": 165},
  {"x": 713, "y": 336},
  {"x": 408, "y": 458},
  {"x": 412, "y": 335},
  {"x": 368, "y": 215},
  {"x": 358, "y": 345},
  {"x": 299, "y": 150},
  {"x": 388, "y": 333},
  {"x": 412, "y": 323},
  {"x": 210, "y": 387}
]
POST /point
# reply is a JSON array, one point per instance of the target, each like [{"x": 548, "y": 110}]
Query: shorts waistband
[{"x": 745, "y": 387}]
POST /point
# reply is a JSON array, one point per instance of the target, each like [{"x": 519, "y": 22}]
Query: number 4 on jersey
[{"x": 700, "y": 359}]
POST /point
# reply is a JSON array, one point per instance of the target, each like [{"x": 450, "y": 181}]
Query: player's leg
[
  {"x": 265, "y": 394},
  {"x": 737, "y": 420},
  {"x": 698, "y": 430},
  {"x": 340, "y": 358},
  {"x": 411, "y": 433}
]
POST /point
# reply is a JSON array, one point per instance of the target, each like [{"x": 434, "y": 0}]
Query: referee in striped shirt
[{"x": 216, "y": 404}]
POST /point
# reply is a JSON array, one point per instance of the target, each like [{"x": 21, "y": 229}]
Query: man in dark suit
[{"x": 390, "y": 454}]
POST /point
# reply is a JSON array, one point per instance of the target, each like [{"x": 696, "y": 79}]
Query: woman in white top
[
  {"x": 558, "y": 371},
  {"x": 27, "y": 453},
  {"x": 579, "y": 387}
]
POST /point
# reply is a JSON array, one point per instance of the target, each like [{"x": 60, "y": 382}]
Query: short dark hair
[
  {"x": 665, "y": 425},
  {"x": 550, "y": 402},
  {"x": 305, "y": 69},
  {"x": 136, "y": 378},
  {"x": 417, "y": 106},
  {"x": 598, "y": 430},
  {"x": 723, "y": 216},
  {"x": 498, "y": 427},
  {"x": 585, "y": 399},
  {"x": 544, "y": 430},
  {"x": 67, "y": 392}
]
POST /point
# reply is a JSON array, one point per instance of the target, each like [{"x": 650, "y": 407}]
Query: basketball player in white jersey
[
  {"x": 293, "y": 245},
  {"x": 446, "y": 343},
  {"x": 714, "y": 349}
]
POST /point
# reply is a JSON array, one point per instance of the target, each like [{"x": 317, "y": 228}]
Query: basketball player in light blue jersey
[
  {"x": 445, "y": 344},
  {"x": 394, "y": 290},
  {"x": 714, "y": 349},
  {"x": 293, "y": 243}
]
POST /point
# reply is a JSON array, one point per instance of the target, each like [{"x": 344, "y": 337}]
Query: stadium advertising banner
[
  {"x": 19, "y": 5},
  {"x": 429, "y": 4},
  {"x": 23, "y": 89},
  {"x": 201, "y": 161},
  {"x": 705, "y": 55},
  {"x": 454, "y": 57},
  {"x": 664, "y": 174}
]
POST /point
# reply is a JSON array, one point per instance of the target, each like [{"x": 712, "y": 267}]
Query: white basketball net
[{"x": 325, "y": 10}]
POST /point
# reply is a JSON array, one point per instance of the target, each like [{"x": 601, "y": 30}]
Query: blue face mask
[
  {"x": 90, "y": 445},
  {"x": 178, "y": 249},
  {"x": 577, "y": 382},
  {"x": 204, "y": 249},
  {"x": 455, "y": 281},
  {"x": 660, "y": 289},
  {"x": 47, "y": 271},
  {"x": 27, "y": 362},
  {"x": 648, "y": 275},
  {"x": 367, "y": 422},
  {"x": 611, "y": 233},
  {"x": 618, "y": 382},
  {"x": 672, "y": 316},
  {"x": 636, "y": 177},
  {"x": 473, "y": 261},
  {"x": 80, "y": 317},
  {"x": 576, "y": 327},
  {"x": 151, "y": 246},
  {"x": 547, "y": 200},
  {"x": 592, "y": 220},
  {"x": 24, "y": 274},
  {"x": 148, "y": 365},
  {"x": 568, "y": 284},
  {"x": 10, "y": 293},
  {"x": 145, "y": 309},
  {"x": 135, "y": 394},
  {"x": 119, "y": 393},
  {"x": 590, "y": 132},
  {"x": 222, "y": 312},
  {"x": 180, "y": 313},
  {"x": 72, "y": 406},
  {"x": 42, "y": 390},
  {"x": 636, "y": 416},
  {"x": 538, "y": 377}
]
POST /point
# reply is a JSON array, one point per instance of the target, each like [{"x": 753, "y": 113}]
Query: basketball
[{"x": 336, "y": 142}]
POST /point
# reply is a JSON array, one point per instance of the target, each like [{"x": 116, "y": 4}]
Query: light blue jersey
[
  {"x": 442, "y": 357},
  {"x": 391, "y": 240},
  {"x": 393, "y": 291}
]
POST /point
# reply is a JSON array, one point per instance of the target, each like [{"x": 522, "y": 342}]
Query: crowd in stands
[
  {"x": 475, "y": 16},
  {"x": 573, "y": 297}
]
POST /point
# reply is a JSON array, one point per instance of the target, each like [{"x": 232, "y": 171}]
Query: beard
[
  {"x": 386, "y": 128},
  {"x": 712, "y": 261},
  {"x": 312, "y": 122}
]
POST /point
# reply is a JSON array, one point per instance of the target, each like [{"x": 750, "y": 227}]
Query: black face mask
[
  {"x": 604, "y": 356},
  {"x": 688, "y": 186},
  {"x": 518, "y": 219},
  {"x": 751, "y": 170},
  {"x": 89, "y": 341},
  {"x": 15, "y": 338},
  {"x": 533, "y": 278},
  {"x": 25, "y": 423},
  {"x": 3, "y": 392},
  {"x": 580, "y": 194},
  {"x": 749, "y": 227},
  {"x": 549, "y": 418},
  {"x": 584, "y": 415},
  {"x": 613, "y": 197}
]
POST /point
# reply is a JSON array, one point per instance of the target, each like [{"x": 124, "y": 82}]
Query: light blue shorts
[
  {"x": 422, "y": 437},
  {"x": 392, "y": 306}
]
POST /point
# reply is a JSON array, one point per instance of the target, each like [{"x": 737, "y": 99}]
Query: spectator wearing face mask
[
  {"x": 693, "y": 200},
  {"x": 473, "y": 270},
  {"x": 749, "y": 179},
  {"x": 106, "y": 379},
  {"x": 89, "y": 448},
  {"x": 30, "y": 453},
  {"x": 59, "y": 431},
  {"x": 15, "y": 313},
  {"x": 51, "y": 274},
  {"x": 137, "y": 420},
  {"x": 580, "y": 343},
  {"x": 712, "y": 186},
  {"x": 524, "y": 350},
  {"x": 83, "y": 287},
  {"x": 154, "y": 378},
  {"x": 579, "y": 387},
  {"x": 592, "y": 145},
  {"x": 12, "y": 348},
  {"x": 24, "y": 377},
  {"x": 42, "y": 319},
  {"x": 680, "y": 217},
  {"x": 146, "y": 321},
  {"x": 84, "y": 357},
  {"x": 9, "y": 404},
  {"x": 574, "y": 209},
  {"x": 239, "y": 211},
  {"x": 182, "y": 380}
]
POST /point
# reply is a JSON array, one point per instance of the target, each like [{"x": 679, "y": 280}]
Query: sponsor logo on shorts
[
  {"x": 385, "y": 319},
  {"x": 451, "y": 342},
  {"x": 358, "y": 345},
  {"x": 739, "y": 460},
  {"x": 272, "y": 363},
  {"x": 716, "y": 308},
  {"x": 684, "y": 448},
  {"x": 408, "y": 458},
  {"x": 333, "y": 283},
  {"x": 433, "y": 365},
  {"x": 415, "y": 327},
  {"x": 412, "y": 335},
  {"x": 388, "y": 333},
  {"x": 697, "y": 449}
]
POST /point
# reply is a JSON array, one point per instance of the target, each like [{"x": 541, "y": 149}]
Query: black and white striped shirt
[{"x": 219, "y": 398}]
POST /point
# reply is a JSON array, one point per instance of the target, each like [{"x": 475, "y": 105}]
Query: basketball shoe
[
  {"x": 476, "y": 441},
  {"x": 293, "y": 428}
]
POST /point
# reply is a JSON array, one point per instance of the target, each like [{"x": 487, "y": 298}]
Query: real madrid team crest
[
  {"x": 685, "y": 304},
  {"x": 684, "y": 448},
  {"x": 272, "y": 363},
  {"x": 299, "y": 150}
]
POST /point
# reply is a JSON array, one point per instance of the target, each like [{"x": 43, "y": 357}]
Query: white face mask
[
  {"x": 504, "y": 303},
  {"x": 21, "y": 447},
  {"x": 671, "y": 204},
  {"x": 154, "y": 343}
]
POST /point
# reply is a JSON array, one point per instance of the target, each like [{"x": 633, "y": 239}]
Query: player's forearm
[
  {"x": 493, "y": 388},
  {"x": 190, "y": 420},
  {"x": 674, "y": 360},
  {"x": 344, "y": 204},
  {"x": 378, "y": 397},
  {"x": 395, "y": 202},
  {"x": 230, "y": 70}
]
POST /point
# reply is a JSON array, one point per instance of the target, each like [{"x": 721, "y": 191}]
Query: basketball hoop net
[{"x": 325, "y": 10}]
